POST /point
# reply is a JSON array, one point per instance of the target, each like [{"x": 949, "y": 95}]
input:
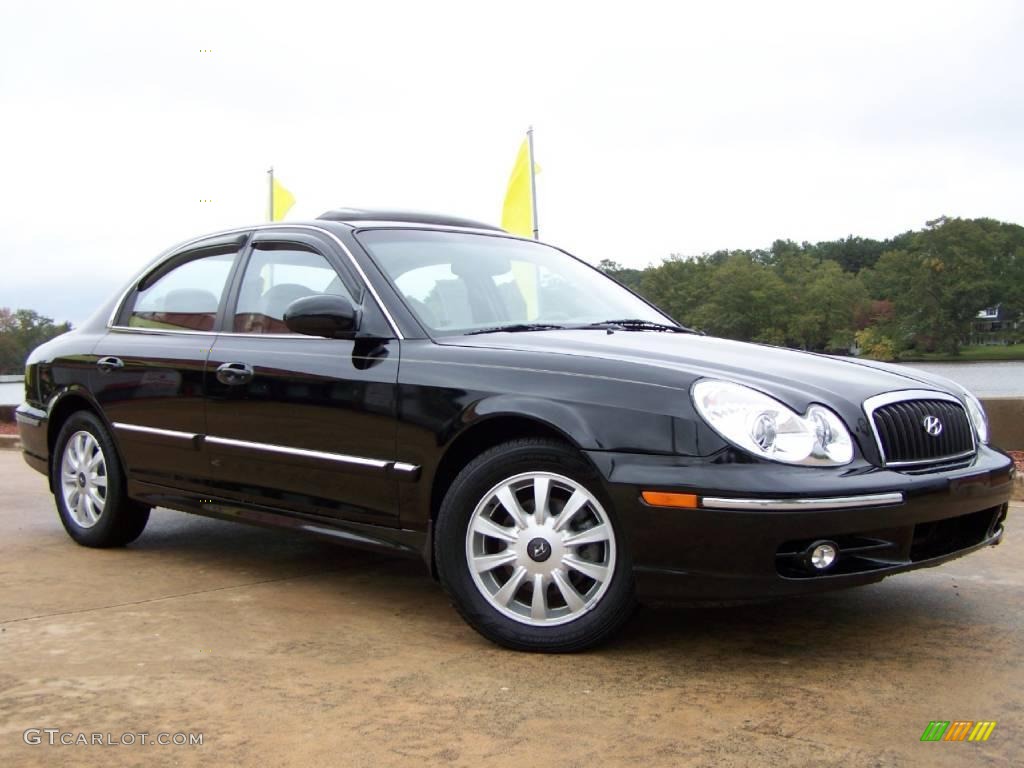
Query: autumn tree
[{"x": 21, "y": 331}]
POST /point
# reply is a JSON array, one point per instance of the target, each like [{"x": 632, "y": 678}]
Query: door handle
[
  {"x": 234, "y": 374},
  {"x": 109, "y": 364}
]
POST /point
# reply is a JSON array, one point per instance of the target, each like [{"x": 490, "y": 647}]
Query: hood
[
  {"x": 796, "y": 378},
  {"x": 927, "y": 379}
]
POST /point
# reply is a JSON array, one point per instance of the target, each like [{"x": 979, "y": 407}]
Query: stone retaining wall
[{"x": 1006, "y": 421}]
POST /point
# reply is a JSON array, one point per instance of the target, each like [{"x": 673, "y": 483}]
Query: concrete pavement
[{"x": 285, "y": 651}]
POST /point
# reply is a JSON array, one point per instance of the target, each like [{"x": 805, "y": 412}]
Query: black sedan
[{"x": 551, "y": 445}]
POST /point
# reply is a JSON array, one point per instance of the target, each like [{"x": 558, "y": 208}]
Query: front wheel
[
  {"x": 530, "y": 552},
  {"x": 88, "y": 486}
]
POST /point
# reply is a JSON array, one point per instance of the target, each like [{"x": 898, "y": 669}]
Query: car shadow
[{"x": 847, "y": 624}]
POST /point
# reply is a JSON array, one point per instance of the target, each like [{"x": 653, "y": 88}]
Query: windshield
[{"x": 458, "y": 282}]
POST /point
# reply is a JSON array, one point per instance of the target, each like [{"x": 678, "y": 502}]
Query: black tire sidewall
[
  {"x": 121, "y": 520},
  {"x": 475, "y": 480}
]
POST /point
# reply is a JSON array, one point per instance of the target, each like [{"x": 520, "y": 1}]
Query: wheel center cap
[
  {"x": 538, "y": 549},
  {"x": 81, "y": 480}
]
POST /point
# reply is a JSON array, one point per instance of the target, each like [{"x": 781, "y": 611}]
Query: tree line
[{"x": 919, "y": 291}]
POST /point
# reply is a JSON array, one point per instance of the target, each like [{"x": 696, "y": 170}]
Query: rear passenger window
[
  {"x": 186, "y": 298},
  {"x": 277, "y": 275}
]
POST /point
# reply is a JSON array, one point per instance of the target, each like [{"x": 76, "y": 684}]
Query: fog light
[{"x": 822, "y": 555}]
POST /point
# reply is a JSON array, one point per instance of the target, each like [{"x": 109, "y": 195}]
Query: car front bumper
[{"x": 754, "y": 523}]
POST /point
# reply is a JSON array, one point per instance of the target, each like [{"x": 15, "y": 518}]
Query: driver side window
[{"x": 277, "y": 275}]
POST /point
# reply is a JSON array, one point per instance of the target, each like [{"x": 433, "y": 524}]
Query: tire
[
  {"x": 89, "y": 488},
  {"x": 553, "y": 583}
]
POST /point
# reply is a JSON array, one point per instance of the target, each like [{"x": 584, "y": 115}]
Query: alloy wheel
[
  {"x": 540, "y": 548},
  {"x": 83, "y": 479}
]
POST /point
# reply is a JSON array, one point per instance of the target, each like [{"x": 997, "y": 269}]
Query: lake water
[{"x": 983, "y": 379}]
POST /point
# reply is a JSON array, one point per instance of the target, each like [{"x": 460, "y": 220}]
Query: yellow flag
[
  {"x": 517, "y": 215},
  {"x": 283, "y": 201}
]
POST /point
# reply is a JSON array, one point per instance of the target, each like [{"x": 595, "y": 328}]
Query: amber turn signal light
[{"x": 660, "y": 499}]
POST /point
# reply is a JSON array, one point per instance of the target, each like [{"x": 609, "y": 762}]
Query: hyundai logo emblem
[
  {"x": 539, "y": 550},
  {"x": 932, "y": 425}
]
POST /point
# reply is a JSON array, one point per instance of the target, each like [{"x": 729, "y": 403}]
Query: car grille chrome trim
[
  {"x": 804, "y": 504},
  {"x": 912, "y": 445},
  {"x": 155, "y": 431}
]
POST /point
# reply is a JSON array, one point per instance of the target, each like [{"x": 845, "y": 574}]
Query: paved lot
[{"x": 287, "y": 651}]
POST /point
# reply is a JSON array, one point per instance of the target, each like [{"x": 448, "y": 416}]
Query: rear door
[
  {"x": 297, "y": 422},
  {"x": 149, "y": 375}
]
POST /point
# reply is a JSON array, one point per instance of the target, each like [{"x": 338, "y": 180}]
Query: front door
[{"x": 297, "y": 422}]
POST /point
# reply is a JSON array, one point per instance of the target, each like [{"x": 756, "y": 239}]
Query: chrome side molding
[
  {"x": 403, "y": 469},
  {"x": 155, "y": 431},
  {"x": 269, "y": 448}
]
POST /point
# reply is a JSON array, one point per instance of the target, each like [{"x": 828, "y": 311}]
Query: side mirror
[{"x": 326, "y": 315}]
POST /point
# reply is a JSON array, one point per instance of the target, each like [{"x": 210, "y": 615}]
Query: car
[{"x": 551, "y": 445}]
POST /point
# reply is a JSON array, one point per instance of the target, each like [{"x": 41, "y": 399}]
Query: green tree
[
  {"x": 21, "y": 331},
  {"x": 677, "y": 285},
  {"x": 875, "y": 344},
  {"x": 945, "y": 274},
  {"x": 855, "y": 254},
  {"x": 824, "y": 307},
  {"x": 627, "y": 276},
  {"x": 745, "y": 300}
]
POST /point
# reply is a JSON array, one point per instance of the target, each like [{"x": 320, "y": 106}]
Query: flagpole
[
  {"x": 533, "y": 186},
  {"x": 270, "y": 217}
]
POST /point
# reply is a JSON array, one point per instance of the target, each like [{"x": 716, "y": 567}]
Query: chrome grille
[{"x": 899, "y": 424}]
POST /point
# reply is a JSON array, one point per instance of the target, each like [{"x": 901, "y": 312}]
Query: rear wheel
[
  {"x": 89, "y": 486},
  {"x": 530, "y": 552}
]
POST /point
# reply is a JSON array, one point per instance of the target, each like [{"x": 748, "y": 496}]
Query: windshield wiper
[
  {"x": 518, "y": 328},
  {"x": 636, "y": 324},
  {"x": 628, "y": 324}
]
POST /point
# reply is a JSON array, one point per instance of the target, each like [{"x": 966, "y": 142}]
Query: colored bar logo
[{"x": 958, "y": 730}]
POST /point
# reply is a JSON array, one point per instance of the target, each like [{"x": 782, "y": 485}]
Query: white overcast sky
[{"x": 670, "y": 127}]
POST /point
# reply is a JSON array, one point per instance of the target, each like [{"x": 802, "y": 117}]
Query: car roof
[{"x": 364, "y": 217}]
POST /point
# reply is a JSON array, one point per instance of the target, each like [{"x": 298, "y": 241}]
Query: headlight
[
  {"x": 765, "y": 427},
  {"x": 977, "y": 414}
]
